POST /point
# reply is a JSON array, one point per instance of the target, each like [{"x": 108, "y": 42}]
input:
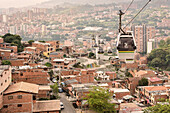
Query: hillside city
[{"x": 68, "y": 58}]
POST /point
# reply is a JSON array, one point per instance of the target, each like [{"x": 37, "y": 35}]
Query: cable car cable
[
  {"x": 137, "y": 14},
  {"x": 129, "y": 6}
]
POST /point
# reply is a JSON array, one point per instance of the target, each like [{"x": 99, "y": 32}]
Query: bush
[
  {"x": 143, "y": 82},
  {"x": 6, "y": 62}
]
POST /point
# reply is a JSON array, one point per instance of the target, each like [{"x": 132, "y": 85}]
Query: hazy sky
[{"x": 18, "y": 3}]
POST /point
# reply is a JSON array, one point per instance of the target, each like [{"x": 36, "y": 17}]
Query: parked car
[{"x": 61, "y": 105}]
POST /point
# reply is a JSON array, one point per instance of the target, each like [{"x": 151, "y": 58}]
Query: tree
[
  {"x": 30, "y": 42},
  {"x": 55, "y": 90},
  {"x": 48, "y": 64},
  {"x": 158, "y": 109},
  {"x": 15, "y": 40},
  {"x": 143, "y": 82},
  {"x": 160, "y": 57},
  {"x": 98, "y": 100},
  {"x": 162, "y": 44},
  {"x": 64, "y": 55},
  {"x": 42, "y": 41},
  {"x": 91, "y": 55},
  {"x": 6, "y": 62},
  {"x": 128, "y": 74},
  {"x": 51, "y": 73},
  {"x": 77, "y": 65}
]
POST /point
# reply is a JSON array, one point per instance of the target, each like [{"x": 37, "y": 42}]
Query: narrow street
[{"x": 68, "y": 107}]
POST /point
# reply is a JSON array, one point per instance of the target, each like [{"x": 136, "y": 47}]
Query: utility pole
[{"x": 59, "y": 75}]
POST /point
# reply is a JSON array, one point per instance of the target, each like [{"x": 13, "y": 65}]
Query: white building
[{"x": 150, "y": 45}]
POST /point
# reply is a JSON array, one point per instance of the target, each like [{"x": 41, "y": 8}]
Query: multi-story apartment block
[
  {"x": 139, "y": 38},
  {"x": 142, "y": 34}
]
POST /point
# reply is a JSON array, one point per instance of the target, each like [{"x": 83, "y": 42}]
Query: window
[
  {"x": 1, "y": 84},
  {"x": 5, "y": 106},
  {"x": 19, "y": 105},
  {"x": 10, "y": 97},
  {"x": 19, "y": 96},
  {"x": 21, "y": 74},
  {"x": 5, "y": 80}
]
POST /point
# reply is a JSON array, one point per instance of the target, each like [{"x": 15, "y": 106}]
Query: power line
[
  {"x": 129, "y": 6},
  {"x": 137, "y": 14}
]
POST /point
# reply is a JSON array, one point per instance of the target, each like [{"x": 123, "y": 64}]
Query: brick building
[
  {"x": 56, "y": 55},
  {"x": 65, "y": 63},
  {"x": 47, "y": 47},
  {"x": 22, "y": 97},
  {"x": 5, "y": 81},
  {"x": 36, "y": 76},
  {"x": 119, "y": 93},
  {"x": 18, "y": 62},
  {"x": 19, "y": 97},
  {"x": 6, "y": 53}
]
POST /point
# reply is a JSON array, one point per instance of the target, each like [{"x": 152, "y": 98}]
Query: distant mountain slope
[
  {"x": 91, "y": 2},
  {"x": 52, "y": 3}
]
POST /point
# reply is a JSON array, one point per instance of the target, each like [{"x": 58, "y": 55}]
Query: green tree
[
  {"x": 15, "y": 40},
  {"x": 30, "y": 42},
  {"x": 158, "y": 109},
  {"x": 160, "y": 58},
  {"x": 6, "y": 62},
  {"x": 128, "y": 74},
  {"x": 162, "y": 44},
  {"x": 143, "y": 82},
  {"x": 48, "y": 64},
  {"x": 51, "y": 73},
  {"x": 156, "y": 62},
  {"x": 77, "y": 65},
  {"x": 55, "y": 90},
  {"x": 98, "y": 100},
  {"x": 64, "y": 55},
  {"x": 42, "y": 41},
  {"x": 91, "y": 55}
]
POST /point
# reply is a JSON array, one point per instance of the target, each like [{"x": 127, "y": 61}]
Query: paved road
[
  {"x": 68, "y": 107},
  {"x": 88, "y": 61}
]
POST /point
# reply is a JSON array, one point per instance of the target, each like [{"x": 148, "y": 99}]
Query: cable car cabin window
[{"x": 126, "y": 44}]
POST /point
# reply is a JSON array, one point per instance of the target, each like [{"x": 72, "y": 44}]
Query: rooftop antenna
[{"x": 120, "y": 21}]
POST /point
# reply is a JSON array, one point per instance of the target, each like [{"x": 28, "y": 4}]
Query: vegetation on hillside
[{"x": 160, "y": 58}]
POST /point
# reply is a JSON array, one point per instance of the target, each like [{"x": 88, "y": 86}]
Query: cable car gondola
[{"x": 126, "y": 47}]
